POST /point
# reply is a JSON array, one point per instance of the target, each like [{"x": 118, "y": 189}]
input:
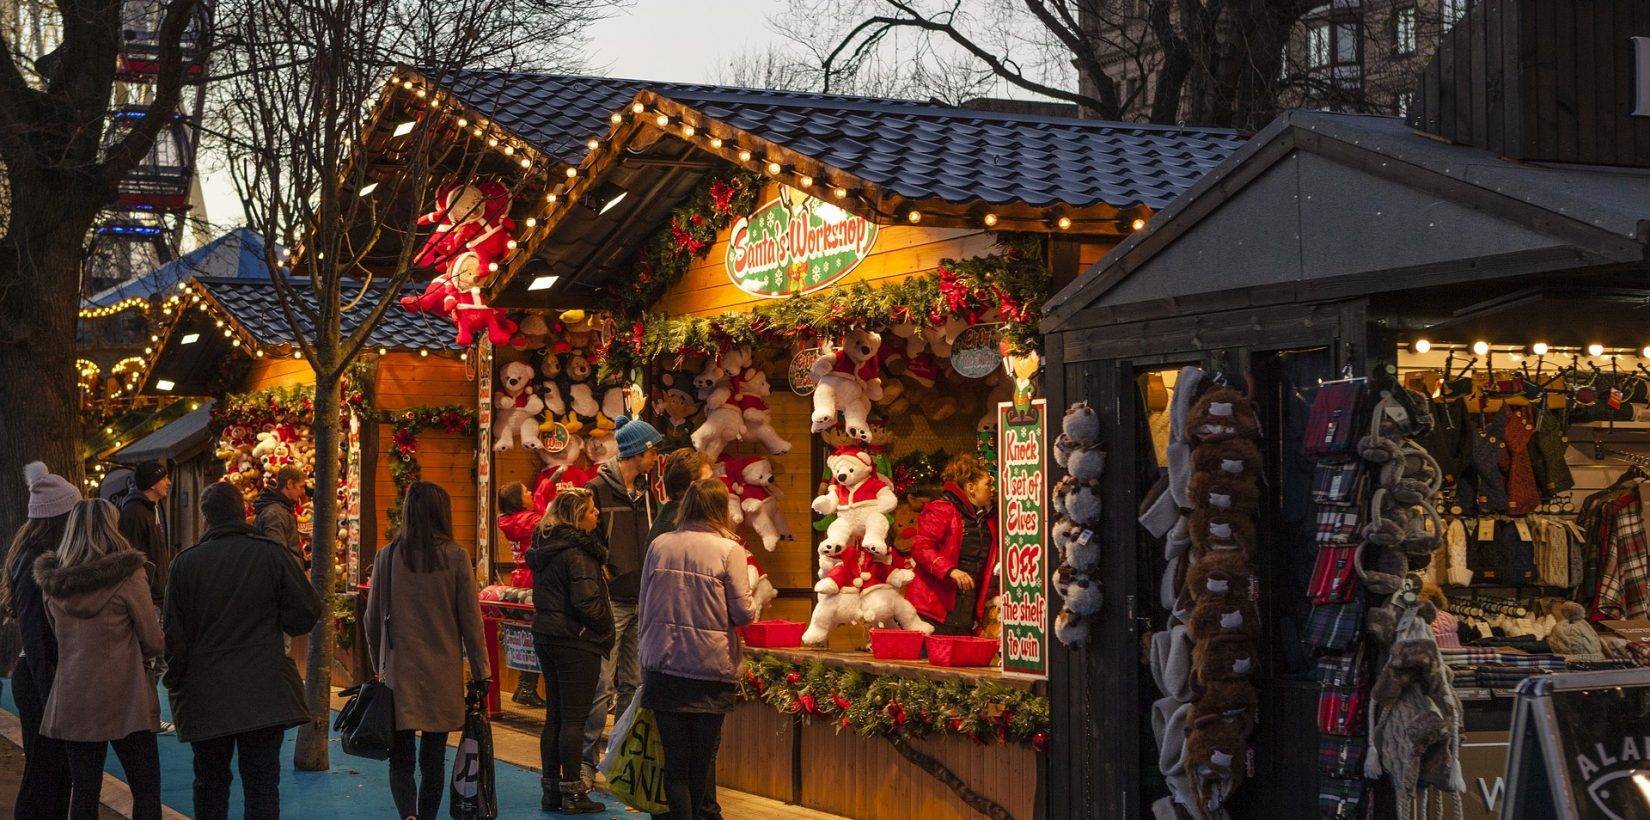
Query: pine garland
[
  {"x": 1014, "y": 281},
  {"x": 890, "y": 705},
  {"x": 688, "y": 236},
  {"x": 264, "y": 409}
]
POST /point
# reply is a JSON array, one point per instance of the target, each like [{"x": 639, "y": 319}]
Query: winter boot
[
  {"x": 550, "y": 800},
  {"x": 575, "y": 800},
  {"x": 527, "y": 691}
]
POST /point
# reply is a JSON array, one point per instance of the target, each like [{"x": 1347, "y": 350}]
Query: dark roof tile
[
  {"x": 916, "y": 149},
  {"x": 256, "y": 306}
]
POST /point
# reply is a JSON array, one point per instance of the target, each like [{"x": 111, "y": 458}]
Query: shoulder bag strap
[{"x": 389, "y": 574}]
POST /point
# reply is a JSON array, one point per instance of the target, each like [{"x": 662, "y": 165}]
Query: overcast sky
[{"x": 681, "y": 40}]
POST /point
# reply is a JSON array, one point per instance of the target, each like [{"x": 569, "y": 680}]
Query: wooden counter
[{"x": 811, "y": 764}]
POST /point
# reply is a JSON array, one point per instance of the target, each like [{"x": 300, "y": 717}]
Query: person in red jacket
[
  {"x": 518, "y": 516},
  {"x": 956, "y": 550}
]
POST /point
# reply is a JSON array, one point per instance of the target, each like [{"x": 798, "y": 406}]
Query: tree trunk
[
  {"x": 310, "y": 752},
  {"x": 39, "y": 305}
]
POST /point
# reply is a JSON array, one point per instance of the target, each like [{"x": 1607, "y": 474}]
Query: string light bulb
[
  {"x": 774, "y": 167},
  {"x": 716, "y": 142},
  {"x": 662, "y": 120},
  {"x": 572, "y": 173},
  {"x": 638, "y": 108},
  {"x": 990, "y": 220},
  {"x": 463, "y": 123},
  {"x": 616, "y": 118},
  {"x": 1539, "y": 348},
  {"x": 1137, "y": 224},
  {"x": 840, "y": 193},
  {"x": 806, "y": 182},
  {"x": 550, "y": 198},
  {"x": 1480, "y": 348},
  {"x": 1595, "y": 349},
  {"x": 913, "y": 217},
  {"x": 1064, "y": 222},
  {"x": 688, "y": 130},
  {"x": 1422, "y": 345},
  {"x": 532, "y": 223},
  {"x": 593, "y": 144},
  {"x": 744, "y": 155}
]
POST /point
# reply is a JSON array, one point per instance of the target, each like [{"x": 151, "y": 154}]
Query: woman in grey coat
[{"x": 422, "y": 613}]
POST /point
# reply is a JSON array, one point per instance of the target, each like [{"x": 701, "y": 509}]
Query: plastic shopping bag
[
  {"x": 473, "y": 796},
  {"x": 621, "y": 730},
  {"x": 635, "y": 768}
]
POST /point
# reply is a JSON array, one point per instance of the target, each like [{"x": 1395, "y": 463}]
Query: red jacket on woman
[
  {"x": 519, "y": 527},
  {"x": 935, "y": 548}
]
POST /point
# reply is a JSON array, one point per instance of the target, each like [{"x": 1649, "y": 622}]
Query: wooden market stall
[
  {"x": 410, "y": 413},
  {"x": 693, "y": 224},
  {"x": 1495, "y": 239}
]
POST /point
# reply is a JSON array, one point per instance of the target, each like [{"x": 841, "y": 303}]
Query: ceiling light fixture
[{"x": 543, "y": 282}]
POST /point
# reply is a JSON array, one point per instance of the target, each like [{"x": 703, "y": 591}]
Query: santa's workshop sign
[
  {"x": 1022, "y": 519},
  {"x": 794, "y": 244}
]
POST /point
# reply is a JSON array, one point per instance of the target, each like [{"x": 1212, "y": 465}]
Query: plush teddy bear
[
  {"x": 601, "y": 449},
  {"x": 762, "y": 591},
  {"x": 849, "y": 380},
  {"x": 724, "y": 421},
  {"x": 755, "y": 498},
  {"x": 749, "y": 390},
  {"x": 268, "y": 442},
  {"x": 676, "y": 401},
  {"x": 861, "y": 501},
  {"x": 555, "y": 401},
  {"x": 863, "y": 587},
  {"x": 472, "y": 316},
  {"x": 516, "y": 404}
]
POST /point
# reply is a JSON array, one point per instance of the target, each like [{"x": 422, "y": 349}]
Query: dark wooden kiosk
[{"x": 1512, "y": 207}]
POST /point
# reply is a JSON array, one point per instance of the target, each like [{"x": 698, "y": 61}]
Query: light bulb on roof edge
[
  {"x": 806, "y": 182},
  {"x": 662, "y": 120},
  {"x": 1595, "y": 349},
  {"x": 1480, "y": 348},
  {"x": 1422, "y": 345},
  {"x": 593, "y": 144},
  {"x": 1539, "y": 348},
  {"x": 1137, "y": 224},
  {"x": 1064, "y": 222},
  {"x": 840, "y": 193},
  {"x": 990, "y": 220},
  {"x": 616, "y": 118},
  {"x": 638, "y": 108},
  {"x": 688, "y": 130},
  {"x": 914, "y": 217},
  {"x": 744, "y": 155},
  {"x": 716, "y": 142}
]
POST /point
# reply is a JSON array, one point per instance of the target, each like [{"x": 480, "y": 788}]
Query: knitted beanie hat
[
  {"x": 50, "y": 495},
  {"x": 148, "y": 474},
  {"x": 634, "y": 436}
]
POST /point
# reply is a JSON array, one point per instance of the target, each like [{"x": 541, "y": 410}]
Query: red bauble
[
  {"x": 1039, "y": 740},
  {"x": 793, "y": 677}
]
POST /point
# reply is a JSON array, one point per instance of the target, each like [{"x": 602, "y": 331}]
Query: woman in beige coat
[
  {"x": 97, "y": 597},
  {"x": 422, "y": 612}
]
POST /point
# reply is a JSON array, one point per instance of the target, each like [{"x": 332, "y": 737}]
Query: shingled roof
[
  {"x": 254, "y": 305},
  {"x": 915, "y": 150}
]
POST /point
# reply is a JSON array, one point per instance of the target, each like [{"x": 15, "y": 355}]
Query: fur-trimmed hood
[{"x": 82, "y": 590}]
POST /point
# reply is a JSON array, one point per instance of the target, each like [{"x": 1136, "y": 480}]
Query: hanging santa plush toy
[{"x": 471, "y": 237}]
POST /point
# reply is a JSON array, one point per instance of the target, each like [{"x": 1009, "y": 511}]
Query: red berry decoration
[
  {"x": 793, "y": 677},
  {"x": 1039, "y": 740}
]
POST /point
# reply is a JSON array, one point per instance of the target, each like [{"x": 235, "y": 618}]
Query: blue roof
[
  {"x": 238, "y": 254},
  {"x": 257, "y": 307},
  {"x": 917, "y": 150}
]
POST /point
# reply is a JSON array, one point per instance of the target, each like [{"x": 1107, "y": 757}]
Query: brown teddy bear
[
  {"x": 1219, "y": 574},
  {"x": 1222, "y": 491},
  {"x": 1222, "y": 414},
  {"x": 1237, "y": 457},
  {"x": 1223, "y": 657}
]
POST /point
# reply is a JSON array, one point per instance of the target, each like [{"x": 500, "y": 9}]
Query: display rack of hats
[
  {"x": 1204, "y": 658},
  {"x": 1375, "y": 487},
  {"x": 1074, "y": 532}
]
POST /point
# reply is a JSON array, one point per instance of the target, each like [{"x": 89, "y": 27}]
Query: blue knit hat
[{"x": 634, "y": 437}]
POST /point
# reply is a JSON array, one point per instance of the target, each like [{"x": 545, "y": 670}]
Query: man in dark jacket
[
  {"x": 233, "y": 690},
  {"x": 625, "y": 505},
  {"x": 141, "y": 523},
  {"x": 276, "y": 510}
]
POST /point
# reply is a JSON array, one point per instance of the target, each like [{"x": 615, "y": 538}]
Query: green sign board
[
  {"x": 1022, "y": 518},
  {"x": 796, "y": 244}
]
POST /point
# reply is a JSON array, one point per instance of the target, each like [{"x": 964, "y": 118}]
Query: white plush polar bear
[
  {"x": 752, "y": 496},
  {"x": 849, "y": 380},
  {"x": 517, "y": 405},
  {"x": 863, "y": 587},
  {"x": 723, "y": 422},
  {"x": 861, "y": 502}
]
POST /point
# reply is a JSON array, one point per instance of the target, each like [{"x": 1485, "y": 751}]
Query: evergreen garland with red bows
[
  {"x": 406, "y": 426},
  {"x": 687, "y": 236}
]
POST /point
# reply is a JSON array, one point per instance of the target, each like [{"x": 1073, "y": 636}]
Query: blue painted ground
[{"x": 353, "y": 788}]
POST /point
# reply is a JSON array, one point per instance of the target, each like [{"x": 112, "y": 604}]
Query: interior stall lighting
[
  {"x": 688, "y": 130},
  {"x": 1595, "y": 349},
  {"x": 806, "y": 182},
  {"x": 774, "y": 167},
  {"x": 404, "y": 128},
  {"x": 1422, "y": 345},
  {"x": 1539, "y": 348},
  {"x": 662, "y": 120},
  {"x": 1645, "y": 353},
  {"x": 1480, "y": 348},
  {"x": 463, "y": 123},
  {"x": 542, "y": 282},
  {"x": 164, "y": 385},
  {"x": 572, "y": 173}
]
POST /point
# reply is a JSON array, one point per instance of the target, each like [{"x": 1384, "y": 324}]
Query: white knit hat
[{"x": 50, "y": 495}]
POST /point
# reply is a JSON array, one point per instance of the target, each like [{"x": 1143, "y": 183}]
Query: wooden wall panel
[
  {"x": 408, "y": 380},
  {"x": 267, "y": 374},
  {"x": 756, "y": 752},
  {"x": 854, "y": 776}
]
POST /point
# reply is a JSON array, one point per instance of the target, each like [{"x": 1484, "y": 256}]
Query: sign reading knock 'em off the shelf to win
[
  {"x": 794, "y": 244},
  {"x": 1022, "y": 521}
]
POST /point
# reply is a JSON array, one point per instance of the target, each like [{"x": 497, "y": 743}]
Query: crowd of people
[{"x": 630, "y": 596}]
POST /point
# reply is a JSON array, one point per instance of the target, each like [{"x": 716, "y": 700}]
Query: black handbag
[{"x": 366, "y": 724}]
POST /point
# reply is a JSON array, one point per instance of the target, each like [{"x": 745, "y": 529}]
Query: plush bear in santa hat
[
  {"x": 863, "y": 587},
  {"x": 849, "y": 379},
  {"x": 861, "y": 501},
  {"x": 516, "y": 405}
]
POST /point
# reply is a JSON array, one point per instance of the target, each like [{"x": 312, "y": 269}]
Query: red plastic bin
[
  {"x": 896, "y": 644},
  {"x": 961, "y": 650},
  {"x": 773, "y": 634}
]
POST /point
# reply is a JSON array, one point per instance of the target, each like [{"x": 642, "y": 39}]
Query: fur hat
[
  {"x": 1222, "y": 414},
  {"x": 1225, "y": 492},
  {"x": 1237, "y": 457},
  {"x": 1219, "y": 530},
  {"x": 1215, "y": 757},
  {"x": 1219, "y": 574},
  {"x": 1223, "y": 657},
  {"x": 1214, "y": 616},
  {"x": 1230, "y": 700}
]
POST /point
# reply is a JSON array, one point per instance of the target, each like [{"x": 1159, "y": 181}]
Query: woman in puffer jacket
[
  {"x": 694, "y": 594},
  {"x": 572, "y": 633}
]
